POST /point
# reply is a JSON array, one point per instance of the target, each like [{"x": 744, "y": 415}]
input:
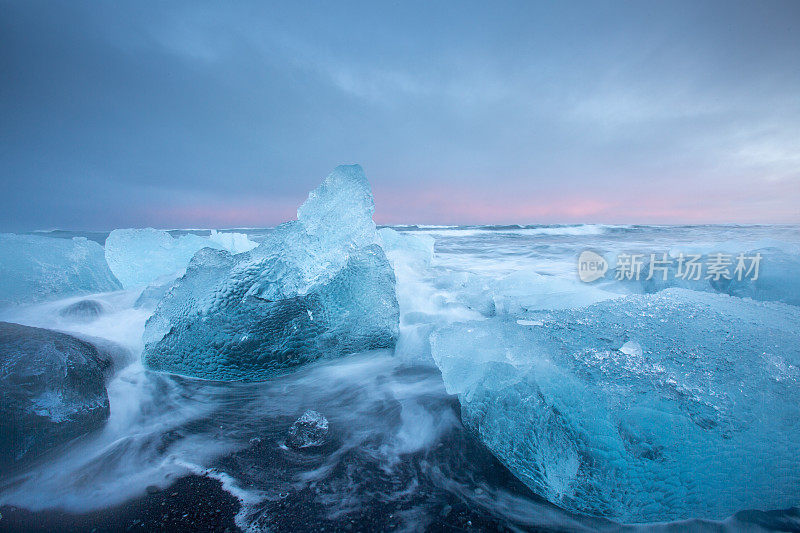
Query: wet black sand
[
  {"x": 192, "y": 503},
  {"x": 199, "y": 503}
]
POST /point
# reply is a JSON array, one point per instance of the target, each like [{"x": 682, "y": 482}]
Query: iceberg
[
  {"x": 52, "y": 390},
  {"x": 320, "y": 286},
  {"x": 35, "y": 268},
  {"x": 644, "y": 408},
  {"x": 142, "y": 256}
]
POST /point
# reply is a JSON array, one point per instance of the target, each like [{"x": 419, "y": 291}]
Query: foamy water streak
[{"x": 455, "y": 231}]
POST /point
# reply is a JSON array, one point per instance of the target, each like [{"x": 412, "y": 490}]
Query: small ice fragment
[
  {"x": 631, "y": 348},
  {"x": 308, "y": 431}
]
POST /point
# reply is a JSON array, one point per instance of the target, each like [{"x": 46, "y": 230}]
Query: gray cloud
[{"x": 148, "y": 113}]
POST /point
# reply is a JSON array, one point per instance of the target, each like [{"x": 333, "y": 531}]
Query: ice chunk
[
  {"x": 308, "y": 431},
  {"x": 523, "y": 291},
  {"x": 777, "y": 278},
  {"x": 52, "y": 390},
  {"x": 235, "y": 243},
  {"x": 407, "y": 248},
  {"x": 631, "y": 349},
  {"x": 471, "y": 290},
  {"x": 217, "y": 322},
  {"x": 152, "y": 294},
  {"x": 139, "y": 256},
  {"x": 694, "y": 416},
  {"x": 338, "y": 213},
  {"x": 142, "y": 256},
  {"x": 35, "y": 268},
  {"x": 519, "y": 293},
  {"x": 316, "y": 287}
]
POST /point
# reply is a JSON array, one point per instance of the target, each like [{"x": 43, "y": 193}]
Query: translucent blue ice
[
  {"x": 413, "y": 250},
  {"x": 645, "y": 408},
  {"x": 142, "y": 256},
  {"x": 777, "y": 278},
  {"x": 317, "y": 287},
  {"x": 522, "y": 292},
  {"x": 308, "y": 431},
  {"x": 519, "y": 293},
  {"x": 35, "y": 268}
]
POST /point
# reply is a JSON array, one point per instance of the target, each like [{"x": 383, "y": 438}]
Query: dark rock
[
  {"x": 52, "y": 390},
  {"x": 84, "y": 310},
  {"x": 308, "y": 431}
]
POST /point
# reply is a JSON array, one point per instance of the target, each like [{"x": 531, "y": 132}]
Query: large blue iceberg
[
  {"x": 317, "y": 287},
  {"x": 35, "y": 268},
  {"x": 644, "y": 408}
]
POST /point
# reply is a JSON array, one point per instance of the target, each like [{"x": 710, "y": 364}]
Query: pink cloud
[{"x": 645, "y": 203}]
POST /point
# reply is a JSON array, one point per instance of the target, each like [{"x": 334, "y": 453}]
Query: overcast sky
[{"x": 171, "y": 114}]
